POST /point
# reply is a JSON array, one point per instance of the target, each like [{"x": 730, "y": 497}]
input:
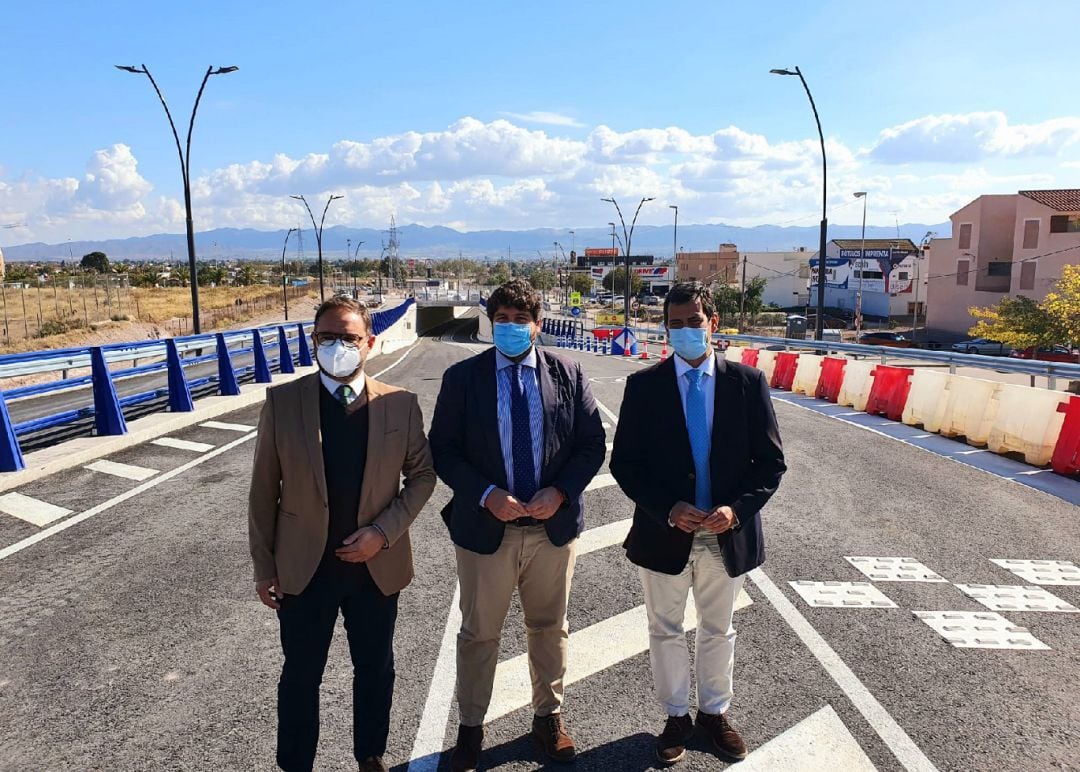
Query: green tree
[
  {"x": 247, "y": 275},
  {"x": 615, "y": 282},
  {"x": 726, "y": 299},
  {"x": 96, "y": 261},
  {"x": 581, "y": 282},
  {"x": 1021, "y": 322},
  {"x": 753, "y": 296},
  {"x": 1062, "y": 303},
  {"x": 542, "y": 278},
  {"x": 500, "y": 275}
]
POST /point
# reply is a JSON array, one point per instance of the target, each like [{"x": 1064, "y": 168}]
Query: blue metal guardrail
[
  {"x": 575, "y": 329},
  {"x": 171, "y": 355}
]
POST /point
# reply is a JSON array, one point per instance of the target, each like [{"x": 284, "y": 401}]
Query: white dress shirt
[{"x": 357, "y": 384}]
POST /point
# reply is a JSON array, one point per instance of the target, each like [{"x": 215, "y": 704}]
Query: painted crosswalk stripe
[
  {"x": 818, "y": 742},
  {"x": 172, "y": 442},
  {"x": 605, "y": 536},
  {"x": 601, "y": 481},
  {"x": 127, "y": 471},
  {"x": 227, "y": 426},
  {"x": 34, "y": 511}
]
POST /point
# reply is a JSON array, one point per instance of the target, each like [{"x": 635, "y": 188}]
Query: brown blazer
[{"x": 288, "y": 516}]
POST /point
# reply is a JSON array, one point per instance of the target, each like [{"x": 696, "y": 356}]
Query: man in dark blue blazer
[
  {"x": 698, "y": 451},
  {"x": 517, "y": 436}
]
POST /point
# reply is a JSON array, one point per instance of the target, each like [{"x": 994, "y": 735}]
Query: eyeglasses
[{"x": 330, "y": 338}]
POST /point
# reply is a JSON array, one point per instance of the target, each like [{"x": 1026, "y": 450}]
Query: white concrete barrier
[
  {"x": 484, "y": 333},
  {"x": 970, "y": 407},
  {"x": 855, "y": 389},
  {"x": 807, "y": 374},
  {"x": 1027, "y": 421},
  {"x": 401, "y": 334},
  {"x": 766, "y": 362},
  {"x": 733, "y": 354},
  {"x": 927, "y": 399}
]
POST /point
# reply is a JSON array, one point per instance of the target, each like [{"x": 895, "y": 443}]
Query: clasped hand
[
  {"x": 505, "y": 506},
  {"x": 686, "y": 517}
]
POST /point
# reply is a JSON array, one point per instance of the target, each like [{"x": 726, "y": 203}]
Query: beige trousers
[{"x": 541, "y": 573}]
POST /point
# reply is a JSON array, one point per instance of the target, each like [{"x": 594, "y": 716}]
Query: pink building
[{"x": 1001, "y": 246}]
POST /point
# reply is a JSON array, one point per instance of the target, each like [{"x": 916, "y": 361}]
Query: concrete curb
[{"x": 81, "y": 450}]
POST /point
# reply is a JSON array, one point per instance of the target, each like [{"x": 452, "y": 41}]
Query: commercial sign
[
  {"x": 648, "y": 273},
  {"x": 601, "y": 252},
  {"x": 575, "y": 299},
  {"x": 604, "y": 319},
  {"x": 882, "y": 270}
]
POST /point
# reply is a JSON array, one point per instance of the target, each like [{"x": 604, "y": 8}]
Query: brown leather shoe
[
  {"x": 550, "y": 735},
  {"x": 466, "y": 754},
  {"x": 722, "y": 735},
  {"x": 373, "y": 764},
  {"x": 671, "y": 744}
]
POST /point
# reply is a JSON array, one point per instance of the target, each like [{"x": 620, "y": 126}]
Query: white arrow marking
[
  {"x": 592, "y": 649},
  {"x": 818, "y": 743}
]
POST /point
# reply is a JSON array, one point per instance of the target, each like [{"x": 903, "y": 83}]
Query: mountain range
[{"x": 419, "y": 242}]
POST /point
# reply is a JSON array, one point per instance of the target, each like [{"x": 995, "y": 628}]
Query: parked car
[
  {"x": 1048, "y": 354},
  {"x": 894, "y": 339},
  {"x": 982, "y": 346},
  {"x": 650, "y": 300}
]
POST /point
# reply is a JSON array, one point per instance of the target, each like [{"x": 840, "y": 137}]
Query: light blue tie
[{"x": 698, "y": 429}]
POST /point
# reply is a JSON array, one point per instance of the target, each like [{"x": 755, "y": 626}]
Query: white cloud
[
  {"x": 972, "y": 137},
  {"x": 545, "y": 118}
]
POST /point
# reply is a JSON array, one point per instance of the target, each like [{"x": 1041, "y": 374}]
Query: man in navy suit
[
  {"x": 698, "y": 451},
  {"x": 517, "y": 436}
]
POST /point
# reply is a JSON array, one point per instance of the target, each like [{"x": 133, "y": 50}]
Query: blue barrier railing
[{"x": 277, "y": 347}]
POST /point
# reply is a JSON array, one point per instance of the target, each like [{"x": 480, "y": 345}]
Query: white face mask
[{"x": 338, "y": 360}]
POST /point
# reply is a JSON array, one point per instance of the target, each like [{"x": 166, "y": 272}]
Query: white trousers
[{"x": 665, "y": 603}]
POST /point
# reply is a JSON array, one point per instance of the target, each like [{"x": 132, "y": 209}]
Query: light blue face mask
[
  {"x": 512, "y": 340},
  {"x": 690, "y": 342}
]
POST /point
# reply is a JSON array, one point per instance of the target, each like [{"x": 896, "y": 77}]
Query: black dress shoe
[
  {"x": 671, "y": 744},
  {"x": 727, "y": 742},
  {"x": 466, "y": 754},
  {"x": 373, "y": 764}
]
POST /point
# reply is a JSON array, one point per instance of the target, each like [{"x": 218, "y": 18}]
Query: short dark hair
[
  {"x": 516, "y": 293},
  {"x": 688, "y": 292},
  {"x": 344, "y": 303}
]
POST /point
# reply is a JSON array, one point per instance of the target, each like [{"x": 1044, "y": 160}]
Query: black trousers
[{"x": 307, "y": 627}]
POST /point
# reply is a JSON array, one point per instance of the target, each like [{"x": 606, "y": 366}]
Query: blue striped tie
[
  {"x": 698, "y": 429},
  {"x": 524, "y": 468}
]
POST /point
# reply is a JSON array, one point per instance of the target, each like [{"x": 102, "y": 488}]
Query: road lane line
[
  {"x": 31, "y": 510},
  {"x": 408, "y": 351},
  {"x": 891, "y": 733},
  {"x": 606, "y": 411},
  {"x": 603, "y": 537},
  {"x": 819, "y": 741},
  {"x": 127, "y": 471},
  {"x": 172, "y": 442},
  {"x": 19, "y": 546},
  {"x": 428, "y": 746},
  {"x": 227, "y": 426},
  {"x": 600, "y": 481}
]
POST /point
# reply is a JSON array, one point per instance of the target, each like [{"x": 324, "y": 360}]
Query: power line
[{"x": 1011, "y": 262}]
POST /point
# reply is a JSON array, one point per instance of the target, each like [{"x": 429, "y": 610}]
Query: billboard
[
  {"x": 881, "y": 270},
  {"x": 601, "y": 252},
  {"x": 648, "y": 273}
]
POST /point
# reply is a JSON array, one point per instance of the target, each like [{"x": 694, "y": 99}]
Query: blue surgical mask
[
  {"x": 690, "y": 342},
  {"x": 513, "y": 340}
]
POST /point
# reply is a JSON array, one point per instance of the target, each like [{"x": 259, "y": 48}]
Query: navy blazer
[
  {"x": 465, "y": 444},
  {"x": 654, "y": 465}
]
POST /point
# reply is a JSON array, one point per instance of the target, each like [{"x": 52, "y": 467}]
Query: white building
[{"x": 785, "y": 274}]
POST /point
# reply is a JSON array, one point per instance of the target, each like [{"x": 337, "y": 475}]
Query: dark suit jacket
[
  {"x": 468, "y": 457},
  {"x": 653, "y": 463}
]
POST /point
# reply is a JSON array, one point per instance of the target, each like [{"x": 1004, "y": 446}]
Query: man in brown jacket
[{"x": 328, "y": 526}]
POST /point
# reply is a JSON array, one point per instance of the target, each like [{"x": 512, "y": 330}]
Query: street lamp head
[
  {"x": 335, "y": 198},
  {"x": 649, "y": 198},
  {"x": 672, "y": 206},
  {"x": 224, "y": 70},
  {"x": 783, "y": 72},
  {"x": 298, "y": 198},
  {"x": 860, "y": 194},
  {"x": 608, "y": 200},
  {"x": 128, "y": 68}
]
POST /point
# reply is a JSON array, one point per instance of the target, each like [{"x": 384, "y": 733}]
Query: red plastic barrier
[
  {"x": 749, "y": 356},
  {"x": 1066, "y": 458},
  {"x": 890, "y": 391},
  {"x": 832, "y": 378},
  {"x": 784, "y": 372}
]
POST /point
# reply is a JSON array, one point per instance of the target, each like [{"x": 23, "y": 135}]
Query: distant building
[
  {"x": 785, "y": 274},
  {"x": 886, "y": 272},
  {"x": 709, "y": 267},
  {"x": 1001, "y": 245}
]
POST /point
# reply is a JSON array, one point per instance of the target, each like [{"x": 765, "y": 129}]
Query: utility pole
[{"x": 742, "y": 296}]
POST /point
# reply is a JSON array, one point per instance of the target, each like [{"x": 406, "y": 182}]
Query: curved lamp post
[
  {"x": 627, "y": 235},
  {"x": 185, "y": 169},
  {"x": 318, "y": 234},
  {"x": 820, "y": 324},
  {"x": 284, "y": 284}
]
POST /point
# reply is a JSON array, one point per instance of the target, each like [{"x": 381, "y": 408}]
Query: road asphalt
[{"x": 131, "y": 638}]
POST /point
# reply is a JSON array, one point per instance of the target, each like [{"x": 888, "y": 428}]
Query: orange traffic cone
[
  {"x": 663, "y": 352},
  {"x": 644, "y": 350}
]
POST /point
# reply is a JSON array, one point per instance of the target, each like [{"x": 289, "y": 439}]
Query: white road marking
[
  {"x": 227, "y": 426},
  {"x": 606, "y": 411},
  {"x": 1035, "y": 472},
  {"x": 972, "y": 452},
  {"x": 881, "y": 569},
  {"x": 980, "y": 630},
  {"x": 891, "y": 733},
  {"x": 857, "y": 412},
  {"x": 601, "y": 481},
  {"x": 605, "y": 425},
  {"x": 428, "y": 745},
  {"x": 841, "y": 594},
  {"x": 408, "y": 351},
  {"x": 818, "y": 743},
  {"x": 610, "y": 446},
  {"x": 605, "y": 536},
  {"x": 127, "y": 471},
  {"x": 19, "y": 546},
  {"x": 1011, "y": 597},
  {"x": 172, "y": 442},
  {"x": 591, "y": 650},
  {"x": 921, "y": 436},
  {"x": 1046, "y": 572},
  {"x": 33, "y": 511}
]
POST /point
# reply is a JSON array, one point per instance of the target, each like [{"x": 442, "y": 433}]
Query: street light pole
[
  {"x": 627, "y": 236},
  {"x": 284, "y": 284},
  {"x": 185, "y": 169},
  {"x": 820, "y": 326},
  {"x": 318, "y": 234},
  {"x": 862, "y": 265},
  {"x": 675, "y": 236}
]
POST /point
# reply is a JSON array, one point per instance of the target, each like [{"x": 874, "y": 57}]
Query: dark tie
[
  {"x": 344, "y": 394},
  {"x": 524, "y": 468}
]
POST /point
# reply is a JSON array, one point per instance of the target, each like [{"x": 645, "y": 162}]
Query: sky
[{"x": 484, "y": 114}]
